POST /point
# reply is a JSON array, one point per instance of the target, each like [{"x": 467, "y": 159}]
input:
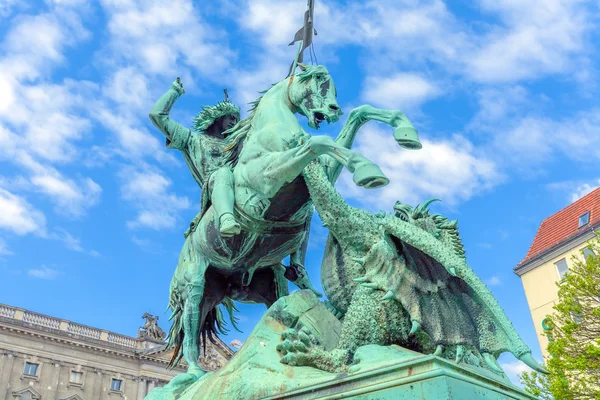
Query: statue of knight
[{"x": 202, "y": 149}]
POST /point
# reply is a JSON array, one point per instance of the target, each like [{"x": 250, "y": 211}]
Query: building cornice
[
  {"x": 23, "y": 322},
  {"x": 556, "y": 251}
]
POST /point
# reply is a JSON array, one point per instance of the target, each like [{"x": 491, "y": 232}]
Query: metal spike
[
  {"x": 360, "y": 260},
  {"x": 388, "y": 296},
  {"x": 425, "y": 205},
  {"x": 452, "y": 271},
  {"x": 528, "y": 359},
  {"x": 370, "y": 285},
  {"x": 414, "y": 327}
]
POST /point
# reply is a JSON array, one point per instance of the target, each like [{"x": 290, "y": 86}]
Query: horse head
[{"x": 313, "y": 92}]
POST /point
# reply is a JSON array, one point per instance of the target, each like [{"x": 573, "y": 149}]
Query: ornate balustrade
[
  {"x": 41, "y": 320},
  {"x": 122, "y": 340},
  {"x": 73, "y": 328},
  {"x": 7, "y": 312},
  {"x": 83, "y": 330}
]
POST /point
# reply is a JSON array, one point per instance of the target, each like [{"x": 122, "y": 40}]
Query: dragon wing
[{"x": 441, "y": 292}]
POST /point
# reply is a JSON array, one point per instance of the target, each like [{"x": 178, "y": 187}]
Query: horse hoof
[{"x": 370, "y": 176}]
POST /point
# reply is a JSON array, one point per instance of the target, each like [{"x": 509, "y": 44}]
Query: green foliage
[
  {"x": 574, "y": 332},
  {"x": 537, "y": 384}
]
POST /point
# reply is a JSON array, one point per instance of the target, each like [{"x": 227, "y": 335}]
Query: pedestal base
[
  {"x": 426, "y": 377},
  {"x": 378, "y": 372}
]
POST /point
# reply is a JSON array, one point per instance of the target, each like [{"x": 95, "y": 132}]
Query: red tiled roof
[{"x": 564, "y": 225}]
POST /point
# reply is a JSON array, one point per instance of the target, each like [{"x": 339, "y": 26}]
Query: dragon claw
[
  {"x": 360, "y": 260},
  {"x": 460, "y": 354},
  {"x": 414, "y": 327},
  {"x": 289, "y": 334},
  {"x": 361, "y": 279},
  {"x": 491, "y": 362},
  {"x": 301, "y": 347},
  {"x": 289, "y": 359},
  {"x": 438, "y": 350},
  {"x": 388, "y": 296},
  {"x": 304, "y": 338},
  {"x": 370, "y": 285}
]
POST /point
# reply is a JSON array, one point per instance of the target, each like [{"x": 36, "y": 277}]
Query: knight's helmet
[{"x": 209, "y": 114}]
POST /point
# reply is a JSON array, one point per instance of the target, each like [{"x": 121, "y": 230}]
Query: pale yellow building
[
  {"x": 559, "y": 238},
  {"x": 48, "y": 358}
]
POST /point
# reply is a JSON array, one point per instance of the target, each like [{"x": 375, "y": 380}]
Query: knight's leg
[{"x": 222, "y": 197}]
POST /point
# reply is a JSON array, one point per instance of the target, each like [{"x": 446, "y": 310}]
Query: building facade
[
  {"x": 43, "y": 357},
  {"x": 559, "y": 238}
]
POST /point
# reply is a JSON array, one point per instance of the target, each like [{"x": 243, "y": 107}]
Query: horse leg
[
  {"x": 357, "y": 118},
  {"x": 191, "y": 327},
  {"x": 365, "y": 172},
  {"x": 268, "y": 173}
]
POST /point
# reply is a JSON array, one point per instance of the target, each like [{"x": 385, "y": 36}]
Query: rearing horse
[{"x": 268, "y": 152}]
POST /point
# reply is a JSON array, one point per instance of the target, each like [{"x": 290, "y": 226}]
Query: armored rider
[{"x": 201, "y": 148}]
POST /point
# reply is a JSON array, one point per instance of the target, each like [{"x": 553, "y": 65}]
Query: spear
[{"x": 304, "y": 35}]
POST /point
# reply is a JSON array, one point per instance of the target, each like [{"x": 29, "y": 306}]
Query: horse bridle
[{"x": 288, "y": 91}]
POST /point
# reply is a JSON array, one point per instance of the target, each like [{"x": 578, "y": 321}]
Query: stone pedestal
[
  {"x": 378, "y": 372},
  {"x": 426, "y": 377}
]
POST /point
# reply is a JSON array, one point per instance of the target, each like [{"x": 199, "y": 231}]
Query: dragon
[{"x": 400, "y": 278}]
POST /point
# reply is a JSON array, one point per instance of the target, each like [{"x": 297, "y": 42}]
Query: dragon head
[{"x": 440, "y": 227}]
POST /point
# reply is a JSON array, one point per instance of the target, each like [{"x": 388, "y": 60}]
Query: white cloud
[
  {"x": 159, "y": 37},
  {"x": 70, "y": 198},
  {"x": 447, "y": 169},
  {"x": 4, "y": 249},
  {"x": 148, "y": 192},
  {"x": 40, "y": 125},
  {"x": 400, "y": 91},
  {"x": 537, "y": 38},
  {"x": 582, "y": 190},
  {"x": 493, "y": 281},
  {"x": 19, "y": 216},
  {"x": 43, "y": 273},
  {"x": 71, "y": 242},
  {"x": 514, "y": 369}
]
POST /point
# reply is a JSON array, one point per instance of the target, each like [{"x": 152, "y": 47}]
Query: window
[
  {"x": 76, "y": 377},
  {"x": 30, "y": 369},
  {"x": 584, "y": 219},
  {"x": 587, "y": 252},
  {"x": 562, "y": 268},
  {"x": 116, "y": 385}
]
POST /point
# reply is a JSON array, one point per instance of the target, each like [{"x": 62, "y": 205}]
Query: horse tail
[
  {"x": 176, "y": 332},
  {"x": 213, "y": 325}
]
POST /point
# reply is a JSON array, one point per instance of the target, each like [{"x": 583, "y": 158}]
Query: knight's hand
[{"x": 178, "y": 86}]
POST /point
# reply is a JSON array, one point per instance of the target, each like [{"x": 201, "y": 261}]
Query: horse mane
[{"x": 236, "y": 135}]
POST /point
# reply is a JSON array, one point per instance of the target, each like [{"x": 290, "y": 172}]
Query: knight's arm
[{"x": 177, "y": 135}]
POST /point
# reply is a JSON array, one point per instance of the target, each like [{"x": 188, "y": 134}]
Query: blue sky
[{"x": 504, "y": 94}]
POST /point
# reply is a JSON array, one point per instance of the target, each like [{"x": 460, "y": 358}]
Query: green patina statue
[
  {"x": 398, "y": 279},
  {"x": 259, "y": 162},
  {"x": 401, "y": 279}
]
